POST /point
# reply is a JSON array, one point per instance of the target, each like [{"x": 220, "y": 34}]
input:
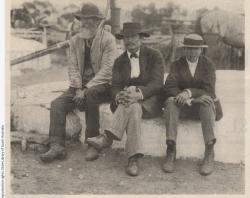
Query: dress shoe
[
  {"x": 56, "y": 151},
  {"x": 208, "y": 161},
  {"x": 101, "y": 141},
  {"x": 132, "y": 169},
  {"x": 168, "y": 165},
  {"x": 91, "y": 153}
]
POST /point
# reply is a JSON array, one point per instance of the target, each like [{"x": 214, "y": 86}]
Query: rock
[
  {"x": 25, "y": 110},
  {"x": 80, "y": 176},
  {"x": 59, "y": 166},
  {"x": 230, "y": 130},
  {"x": 70, "y": 169}
]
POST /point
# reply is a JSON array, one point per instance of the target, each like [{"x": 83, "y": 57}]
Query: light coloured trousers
[
  {"x": 173, "y": 111},
  {"x": 128, "y": 119}
]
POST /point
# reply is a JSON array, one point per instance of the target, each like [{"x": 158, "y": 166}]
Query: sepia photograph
[{"x": 123, "y": 97}]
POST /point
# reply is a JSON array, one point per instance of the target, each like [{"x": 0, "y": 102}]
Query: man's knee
[
  {"x": 91, "y": 94},
  {"x": 169, "y": 104},
  {"x": 135, "y": 109},
  {"x": 57, "y": 104},
  {"x": 207, "y": 110}
]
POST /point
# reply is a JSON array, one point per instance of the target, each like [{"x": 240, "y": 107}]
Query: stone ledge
[{"x": 34, "y": 102}]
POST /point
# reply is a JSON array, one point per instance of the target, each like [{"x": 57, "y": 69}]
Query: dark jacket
[
  {"x": 180, "y": 78},
  {"x": 150, "y": 80}
]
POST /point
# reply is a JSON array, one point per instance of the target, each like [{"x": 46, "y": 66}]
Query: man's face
[
  {"x": 88, "y": 27},
  {"x": 192, "y": 53},
  {"x": 132, "y": 43}
]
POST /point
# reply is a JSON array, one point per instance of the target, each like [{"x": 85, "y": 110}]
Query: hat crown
[
  {"x": 193, "y": 39},
  {"x": 89, "y": 9},
  {"x": 131, "y": 25}
]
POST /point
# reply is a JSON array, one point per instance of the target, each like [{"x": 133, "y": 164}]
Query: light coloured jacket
[{"x": 103, "y": 54}]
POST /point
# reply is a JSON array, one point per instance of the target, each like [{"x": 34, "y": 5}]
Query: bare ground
[{"x": 106, "y": 175}]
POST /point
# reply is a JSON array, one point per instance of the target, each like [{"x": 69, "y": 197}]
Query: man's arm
[
  {"x": 171, "y": 87},
  {"x": 117, "y": 81},
  {"x": 107, "y": 61},
  {"x": 156, "y": 76}
]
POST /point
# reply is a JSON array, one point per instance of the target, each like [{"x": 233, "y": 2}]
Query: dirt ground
[{"x": 106, "y": 175}]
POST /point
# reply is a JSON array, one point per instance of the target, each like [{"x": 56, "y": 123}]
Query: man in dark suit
[
  {"x": 136, "y": 82},
  {"x": 189, "y": 91}
]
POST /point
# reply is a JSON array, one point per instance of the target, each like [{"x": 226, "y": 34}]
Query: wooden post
[{"x": 115, "y": 17}]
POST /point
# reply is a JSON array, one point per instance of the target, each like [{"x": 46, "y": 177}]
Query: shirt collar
[{"x": 129, "y": 53}]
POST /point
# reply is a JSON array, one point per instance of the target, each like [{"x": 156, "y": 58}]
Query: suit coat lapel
[
  {"x": 80, "y": 54},
  {"x": 126, "y": 66},
  {"x": 142, "y": 60},
  {"x": 186, "y": 71},
  {"x": 197, "y": 72},
  {"x": 95, "y": 51}
]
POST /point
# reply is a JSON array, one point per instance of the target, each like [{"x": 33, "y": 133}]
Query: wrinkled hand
[
  {"x": 205, "y": 100},
  {"x": 182, "y": 98},
  {"x": 79, "y": 97},
  {"x": 122, "y": 97},
  {"x": 133, "y": 95},
  {"x": 128, "y": 96}
]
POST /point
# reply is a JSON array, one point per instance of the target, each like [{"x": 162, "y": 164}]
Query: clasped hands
[
  {"x": 183, "y": 98},
  {"x": 128, "y": 96}
]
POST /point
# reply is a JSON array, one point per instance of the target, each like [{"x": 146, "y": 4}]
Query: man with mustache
[
  {"x": 91, "y": 56},
  {"x": 136, "y": 82},
  {"x": 189, "y": 92}
]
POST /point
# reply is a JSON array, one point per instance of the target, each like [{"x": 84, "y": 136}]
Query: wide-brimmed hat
[
  {"x": 193, "y": 40},
  {"x": 130, "y": 29},
  {"x": 89, "y": 10}
]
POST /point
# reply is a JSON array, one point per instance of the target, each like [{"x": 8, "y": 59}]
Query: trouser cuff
[{"x": 56, "y": 140}]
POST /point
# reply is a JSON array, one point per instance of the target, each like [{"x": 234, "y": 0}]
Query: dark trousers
[
  {"x": 64, "y": 104},
  {"x": 204, "y": 113}
]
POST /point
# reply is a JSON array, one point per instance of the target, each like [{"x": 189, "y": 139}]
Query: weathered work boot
[
  {"x": 56, "y": 151},
  {"x": 132, "y": 168},
  {"x": 91, "y": 153},
  {"x": 208, "y": 161},
  {"x": 101, "y": 141},
  {"x": 168, "y": 165}
]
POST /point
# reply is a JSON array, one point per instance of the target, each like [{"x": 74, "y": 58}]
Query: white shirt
[
  {"x": 192, "y": 66},
  {"x": 135, "y": 65}
]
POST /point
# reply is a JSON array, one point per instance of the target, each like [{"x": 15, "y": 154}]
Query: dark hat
[
  {"x": 131, "y": 29},
  {"x": 89, "y": 10},
  {"x": 193, "y": 40}
]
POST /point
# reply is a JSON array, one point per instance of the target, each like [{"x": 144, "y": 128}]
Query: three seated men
[{"x": 136, "y": 88}]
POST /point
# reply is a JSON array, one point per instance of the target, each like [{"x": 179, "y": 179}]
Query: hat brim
[
  {"x": 194, "y": 46},
  {"x": 80, "y": 16},
  {"x": 120, "y": 35}
]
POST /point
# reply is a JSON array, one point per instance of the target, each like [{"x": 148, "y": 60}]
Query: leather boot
[
  {"x": 132, "y": 168},
  {"x": 101, "y": 141},
  {"x": 168, "y": 165},
  {"x": 208, "y": 161},
  {"x": 56, "y": 151}
]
